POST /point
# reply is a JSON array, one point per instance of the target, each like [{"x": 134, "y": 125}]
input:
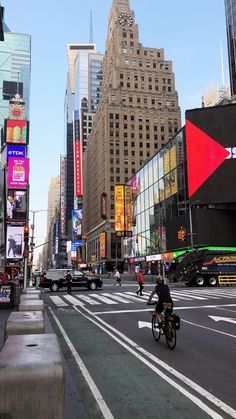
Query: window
[
  {"x": 132, "y": 117},
  {"x": 121, "y": 76},
  {"x": 126, "y": 62},
  {"x": 117, "y": 116}
]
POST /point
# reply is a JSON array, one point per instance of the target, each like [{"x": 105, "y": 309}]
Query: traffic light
[
  {"x": 182, "y": 234},
  {"x": 26, "y": 234}
]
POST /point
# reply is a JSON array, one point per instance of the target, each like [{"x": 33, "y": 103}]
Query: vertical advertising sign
[
  {"x": 16, "y": 131},
  {"x": 128, "y": 211},
  {"x": 63, "y": 194},
  {"x": 56, "y": 231},
  {"x": 123, "y": 210},
  {"x": 77, "y": 216},
  {"x": 14, "y": 242},
  {"x": 119, "y": 209},
  {"x": 18, "y": 173},
  {"x": 102, "y": 241},
  {"x": 77, "y": 157}
]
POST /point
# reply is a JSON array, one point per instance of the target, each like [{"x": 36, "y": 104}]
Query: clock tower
[{"x": 138, "y": 112}]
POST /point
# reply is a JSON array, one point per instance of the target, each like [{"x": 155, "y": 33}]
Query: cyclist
[{"x": 164, "y": 298}]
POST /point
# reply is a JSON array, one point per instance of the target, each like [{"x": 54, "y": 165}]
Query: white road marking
[
  {"x": 103, "y": 299},
  {"x": 94, "y": 390},
  {"x": 58, "y": 301},
  {"x": 130, "y": 297},
  {"x": 217, "y": 402},
  {"x": 118, "y": 298},
  {"x": 144, "y": 324},
  {"x": 72, "y": 300},
  {"x": 88, "y": 300},
  {"x": 209, "y": 328},
  {"x": 223, "y": 319},
  {"x": 179, "y": 294}
]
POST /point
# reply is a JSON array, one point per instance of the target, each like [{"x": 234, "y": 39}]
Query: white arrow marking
[
  {"x": 224, "y": 319},
  {"x": 144, "y": 324}
]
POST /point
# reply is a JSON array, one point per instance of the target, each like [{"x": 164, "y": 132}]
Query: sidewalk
[{"x": 74, "y": 407}]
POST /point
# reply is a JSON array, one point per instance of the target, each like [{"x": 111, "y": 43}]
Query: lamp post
[{"x": 191, "y": 222}]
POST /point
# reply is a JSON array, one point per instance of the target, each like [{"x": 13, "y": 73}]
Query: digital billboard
[
  {"x": 63, "y": 194},
  {"x": 16, "y": 131},
  {"x": 102, "y": 241},
  {"x": 16, "y": 151},
  {"x": 18, "y": 173},
  {"x": 14, "y": 242},
  {"x": 16, "y": 205},
  {"x": 123, "y": 210},
  {"x": 211, "y": 154},
  {"x": 77, "y": 216}
]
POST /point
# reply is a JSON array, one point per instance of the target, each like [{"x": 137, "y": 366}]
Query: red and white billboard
[
  {"x": 18, "y": 173},
  {"x": 78, "y": 169},
  {"x": 16, "y": 131}
]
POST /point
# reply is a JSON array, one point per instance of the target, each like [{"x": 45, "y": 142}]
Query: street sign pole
[{"x": 25, "y": 271}]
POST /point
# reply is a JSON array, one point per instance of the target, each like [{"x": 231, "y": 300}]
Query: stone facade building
[{"x": 137, "y": 114}]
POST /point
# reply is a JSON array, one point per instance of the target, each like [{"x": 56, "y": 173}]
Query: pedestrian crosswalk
[{"x": 130, "y": 297}]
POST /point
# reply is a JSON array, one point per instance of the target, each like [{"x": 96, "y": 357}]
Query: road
[{"x": 107, "y": 340}]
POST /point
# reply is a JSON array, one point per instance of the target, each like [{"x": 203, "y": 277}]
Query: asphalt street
[{"x": 120, "y": 371}]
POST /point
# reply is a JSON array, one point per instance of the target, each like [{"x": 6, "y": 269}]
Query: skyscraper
[
  {"x": 138, "y": 113},
  {"x": 82, "y": 97},
  {"x": 230, "y": 12}
]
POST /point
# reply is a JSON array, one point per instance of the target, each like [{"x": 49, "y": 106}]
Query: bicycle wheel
[
  {"x": 155, "y": 329},
  {"x": 170, "y": 334}
]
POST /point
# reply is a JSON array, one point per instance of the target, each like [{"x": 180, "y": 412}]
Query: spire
[
  {"x": 121, "y": 2},
  {"x": 91, "y": 28}
]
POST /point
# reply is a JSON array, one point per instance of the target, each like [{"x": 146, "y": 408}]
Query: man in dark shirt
[
  {"x": 68, "y": 278},
  {"x": 164, "y": 298}
]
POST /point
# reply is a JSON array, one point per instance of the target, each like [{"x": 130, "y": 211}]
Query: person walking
[
  {"x": 68, "y": 278},
  {"x": 140, "y": 283},
  {"x": 117, "y": 277}
]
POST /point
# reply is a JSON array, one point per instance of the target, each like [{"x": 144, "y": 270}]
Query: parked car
[{"x": 55, "y": 279}]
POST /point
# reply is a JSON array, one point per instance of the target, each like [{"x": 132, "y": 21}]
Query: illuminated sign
[
  {"x": 77, "y": 216},
  {"x": 14, "y": 242},
  {"x": 16, "y": 151},
  {"x": 16, "y": 205},
  {"x": 78, "y": 169},
  {"x": 18, "y": 173},
  {"x": 16, "y": 131},
  {"x": 104, "y": 205},
  {"x": 210, "y": 146},
  {"x": 102, "y": 241},
  {"x": 63, "y": 194},
  {"x": 123, "y": 210}
]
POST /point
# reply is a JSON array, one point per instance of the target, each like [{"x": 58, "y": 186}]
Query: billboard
[
  {"x": 102, "y": 241},
  {"x": 16, "y": 131},
  {"x": 16, "y": 205},
  {"x": 18, "y": 173},
  {"x": 77, "y": 216},
  {"x": 77, "y": 156},
  {"x": 211, "y": 154},
  {"x": 14, "y": 242},
  {"x": 16, "y": 151},
  {"x": 123, "y": 210}
]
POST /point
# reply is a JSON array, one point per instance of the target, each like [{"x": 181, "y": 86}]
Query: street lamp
[{"x": 191, "y": 221}]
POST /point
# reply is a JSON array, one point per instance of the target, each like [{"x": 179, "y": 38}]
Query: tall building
[
  {"x": 82, "y": 97},
  {"x": 15, "y": 70},
  {"x": 230, "y": 12},
  {"x": 53, "y": 200},
  {"x": 138, "y": 113}
]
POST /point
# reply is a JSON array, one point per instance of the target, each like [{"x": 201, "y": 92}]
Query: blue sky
[{"x": 189, "y": 31}]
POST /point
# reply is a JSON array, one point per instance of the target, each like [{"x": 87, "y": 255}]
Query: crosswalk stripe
[
  {"x": 117, "y": 298},
  {"x": 103, "y": 299},
  {"x": 88, "y": 300},
  {"x": 178, "y": 294},
  {"x": 58, "y": 301},
  {"x": 72, "y": 300},
  {"x": 130, "y": 296}
]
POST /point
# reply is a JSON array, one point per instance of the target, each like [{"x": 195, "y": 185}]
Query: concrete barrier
[
  {"x": 24, "y": 323},
  {"x": 31, "y": 305},
  {"x": 31, "y": 378},
  {"x": 28, "y": 297}
]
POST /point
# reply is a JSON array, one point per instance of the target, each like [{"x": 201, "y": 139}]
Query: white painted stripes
[{"x": 128, "y": 297}]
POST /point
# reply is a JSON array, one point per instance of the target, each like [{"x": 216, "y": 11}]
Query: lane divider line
[
  {"x": 214, "y": 400},
  {"x": 96, "y": 393}
]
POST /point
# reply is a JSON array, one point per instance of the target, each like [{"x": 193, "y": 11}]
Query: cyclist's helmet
[{"x": 159, "y": 280}]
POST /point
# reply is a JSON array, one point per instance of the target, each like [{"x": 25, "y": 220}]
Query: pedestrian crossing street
[{"x": 130, "y": 297}]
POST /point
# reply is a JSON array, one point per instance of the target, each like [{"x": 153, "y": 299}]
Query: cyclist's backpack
[{"x": 176, "y": 321}]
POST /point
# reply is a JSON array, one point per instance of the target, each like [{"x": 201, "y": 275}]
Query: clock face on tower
[{"x": 125, "y": 19}]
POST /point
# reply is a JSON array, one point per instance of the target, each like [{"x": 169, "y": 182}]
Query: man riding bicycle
[{"x": 164, "y": 300}]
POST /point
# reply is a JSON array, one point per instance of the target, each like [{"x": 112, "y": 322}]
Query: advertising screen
[
  {"x": 16, "y": 205},
  {"x": 102, "y": 240},
  {"x": 119, "y": 208},
  {"x": 211, "y": 154},
  {"x": 77, "y": 216},
  {"x": 78, "y": 168},
  {"x": 16, "y": 151},
  {"x": 128, "y": 210},
  {"x": 16, "y": 131},
  {"x": 5, "y": 294},
  {"x": 18, "y": 173},
  {"x": 14, "y": 242}
]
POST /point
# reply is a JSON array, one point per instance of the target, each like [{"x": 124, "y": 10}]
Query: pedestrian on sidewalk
[
  {"x": 68, "y": 279},
  {"x": 117, "y": 277},
  {"x": 140, "y": 282}
]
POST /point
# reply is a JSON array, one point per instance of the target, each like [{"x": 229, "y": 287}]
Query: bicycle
[{"x": 171, "y": 323}]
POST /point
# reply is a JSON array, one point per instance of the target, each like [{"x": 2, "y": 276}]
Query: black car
[{"x": 56, "y": 280}]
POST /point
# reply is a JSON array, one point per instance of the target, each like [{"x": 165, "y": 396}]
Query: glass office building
[
  {"x": 159, "y": 192},
  {"x": 15, "y": 71}
]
